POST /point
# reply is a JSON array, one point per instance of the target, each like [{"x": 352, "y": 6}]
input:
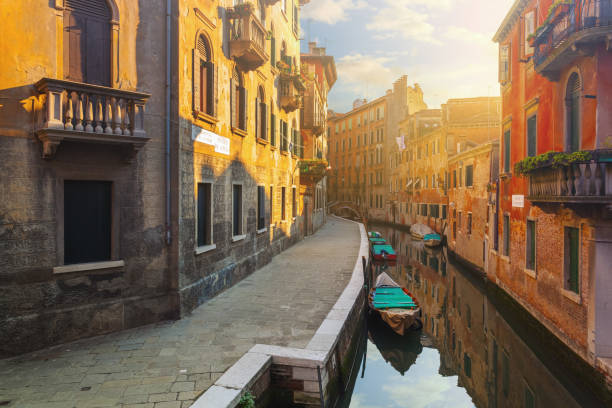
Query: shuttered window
[
  {"x": 469, "y": 223},
  {"x": 87, "y": 221},
  {"x": 238, "y": 101},
  {"x": 507, "y": 151},
  {"x": 87, "y": 41},
  {"x": 204, "y": 231},
  {"x": 237, "y": 209},
  {"x": 532, "y": 146},
  {"x": 506, "y": 233},
  {"x": 572, "y": 258},
  {"x": 273, "y": 129},
  {"x": 572, "y": 115},
  {"x": 530, "y": 243},
  {"x": 261, "y": 207},
  {"x": 469, "y": 175},
  {"x": 204, "y": 79},
  {"x": 283, "y": 203},
  {"x": 271, "y": 204},
  {"x": 504, "y": 63},
  {"x": 261, "y": 116},
  {"x": 294, "y": 203}
]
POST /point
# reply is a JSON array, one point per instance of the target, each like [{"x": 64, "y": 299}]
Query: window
[
  {"x": 424, "y": 210},
  {"x": 203, "y": 78},
  {"x": 469, "y": 223},
  {"x": 272, "y": 129},
  {"x": 454, "y": 178},
  {"x": 261, "y": 115},
  {"x": 507, "y": 151},
  {"x": 529, "y": 29},
  {"x": 506, "y": 233},
  {"x": 572, "y": 113},
  {"x": 444, "y": 212},
  {"x": 469, "y": 175},
  {"x": 530, "y": 256},
  {"x": 283, "y": 203},
  {"x": 505, "y": 373},
  {"x": 532, "y": 132},
  {"x": 504, "y": 63},
  {"x": 87, "y": 221},
  {"x": 87, "y": 42},
  {"x": 237, "y": 209},
  {"x": 284, "y": 128},
  {"x": 572, "y": 259},
  {"x": 261, "y": 208},
  {"x": 529, "y": 398},
  {"x": 294, "y": 209},
  {"x": 467, "y": 365},
  {"x": 271, "y": 204},
  {"x": 238, "y": 98},
  {"x": 204, "y": 231}
]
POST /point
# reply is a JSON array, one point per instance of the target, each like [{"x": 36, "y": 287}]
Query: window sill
[
  {"x": 505, "y": 258},
  {"x": 206, "y": 248},
  {"x": 237, "y": 238},
  {"x": 205, "y": 117},
  {"x": 505, "y": 176},
  {"x": 284, "y": 153},
  {"x": 573, "y": 296},
  {"x": 90, "y": 266},
  {"x": 239, "y": 132},
  {"x": 273, "y": 147},
  {"x": 262, "y": 141},
  {"x": 261, "y": 231},
  {"x": 530, "y": 272}
]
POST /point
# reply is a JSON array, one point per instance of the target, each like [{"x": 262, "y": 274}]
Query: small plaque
[
  {"x": 220, "y": 143},
  {"x": 518, "y": 200}
]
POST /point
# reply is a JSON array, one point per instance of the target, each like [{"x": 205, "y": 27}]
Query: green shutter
[
  {"x": 273, "y": 129},
  {"x": 532, "y": 135},
  {"x": 273, "y": 52},
  {"x": 574, "y": 246},
  {"x": 507, "y": 151}
]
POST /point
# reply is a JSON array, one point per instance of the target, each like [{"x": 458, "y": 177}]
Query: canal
[{"x": 467, "y": 354}]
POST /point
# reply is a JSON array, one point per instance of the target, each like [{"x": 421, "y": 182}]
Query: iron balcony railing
[{"x": 570, "y": 19}]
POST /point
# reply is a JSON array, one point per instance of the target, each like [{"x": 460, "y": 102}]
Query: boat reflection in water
[{"x": 467, "y": 355}]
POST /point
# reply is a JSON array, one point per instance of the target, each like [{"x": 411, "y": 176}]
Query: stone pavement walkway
[{"x": 168, "y": 365}]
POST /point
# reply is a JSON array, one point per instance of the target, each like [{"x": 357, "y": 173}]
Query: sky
[{"x": 443, "y": 45}]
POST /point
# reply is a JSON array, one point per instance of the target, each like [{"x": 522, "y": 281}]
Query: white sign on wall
[
  {"x": 220, "y": 143},
  {"x": 518, "y": 200}
]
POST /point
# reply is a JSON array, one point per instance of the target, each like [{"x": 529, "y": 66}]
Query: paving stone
[
  {"x": 281, "y": 304},
  {"x": 172, "y": 404},
  {"x": 167, "y": 396}
]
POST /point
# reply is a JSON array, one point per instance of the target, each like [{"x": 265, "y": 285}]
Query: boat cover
[
  {"x": 374, "y": 234},
  {"x": 378, "y": 249},
  {"x": 377, "y": 240},
  {"x": 397, "y": 309},
  {"x": 421, "y": 230},
  {"x": 431, "y": 236},
  {"x": 385, "y": 280}
]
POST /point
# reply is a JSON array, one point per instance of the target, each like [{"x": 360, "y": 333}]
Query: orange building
[{"x": 553, "y": 242}]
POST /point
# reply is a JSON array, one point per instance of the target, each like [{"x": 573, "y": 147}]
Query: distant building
[
  {"x": 361, "y": 143},
  {"x": 553, "y": 239}
]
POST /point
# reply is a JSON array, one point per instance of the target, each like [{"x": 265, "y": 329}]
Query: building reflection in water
[{"x": 474, "y": 342}]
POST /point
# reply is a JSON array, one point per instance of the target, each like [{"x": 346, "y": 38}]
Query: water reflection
[{"x": 467, "y": 354}]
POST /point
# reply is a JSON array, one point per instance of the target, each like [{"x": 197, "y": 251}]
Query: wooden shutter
[
  {"x": 532, "y": 136},
  {"x": 211, "y": 91},
  {"x": 232, "y": 104},
  {"x": 257, "y": 119},
  {"x": 74, "y": 52},
  {"x": 273, "y": 129},
  {"x": 507, "y": 151},
  {"x": 264, "y": 120},
  {"x": 273, "y": 52},
  {"x": 242, "y": 108},
  {"x": 574, "y": 245},
  {"x": 197, "y": 98},
  {"x": 97, "y": 58}
]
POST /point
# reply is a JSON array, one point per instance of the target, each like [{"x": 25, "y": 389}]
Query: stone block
[
  {"x": 218, "y": 397},
  {"x": 291, "y": 356},
  {"x": 245, "y": 371}
]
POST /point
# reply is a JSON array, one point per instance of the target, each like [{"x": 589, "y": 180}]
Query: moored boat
[
  {"x": 374, "y": 234},
  {"x": 419, "y": 231},
  {"x": 375, "y": 240},
  {"x": 383, "y": 252},
  {"x": 396, "y": 305},
  {"x": 432, "y": 240}
]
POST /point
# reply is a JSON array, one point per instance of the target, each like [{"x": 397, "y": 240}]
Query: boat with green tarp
[
  {"x": 383, "y": 252},
  {"x": 399, "y": 308}
]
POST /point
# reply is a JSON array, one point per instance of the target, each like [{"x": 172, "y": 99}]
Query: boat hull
[
  {"x": 432, "y": 243},
  {"x": 400, "y": 320}
]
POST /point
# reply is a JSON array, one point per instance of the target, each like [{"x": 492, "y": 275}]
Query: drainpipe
[{"x": 168, "y": 78}]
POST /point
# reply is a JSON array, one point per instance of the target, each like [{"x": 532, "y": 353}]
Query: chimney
[{"x": 311, "y": 47}]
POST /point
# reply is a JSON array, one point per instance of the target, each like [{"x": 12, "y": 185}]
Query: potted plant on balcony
[
  {"x": 558, "y": 8},
  {"x": 241, "y": 10}
]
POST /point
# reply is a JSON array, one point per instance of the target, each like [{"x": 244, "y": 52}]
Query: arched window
[
  {"x": 261, "y": 115},
  {"x": 87, "y": 41},
  {"x": 204, "y": 78},
  {"x": 238, "y": 98},
  {"x": 572, "y": 113}
]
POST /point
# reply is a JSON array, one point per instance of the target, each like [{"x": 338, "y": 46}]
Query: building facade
[
  {"x": 320, "y": 70},
  {"x": 362, "y": 141},
  {"x": 554, "y": 226},
  {"x": 154, "y": 151}
]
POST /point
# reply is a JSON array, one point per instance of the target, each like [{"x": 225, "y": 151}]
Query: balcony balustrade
[
  {"x": 247, "y": 37},
  {"x": 571, "y": 31},
  {"x": 87, "y": 113},
  {"x": 312, "y": 171},
  {"x": 589, "y": 182},
  {"x": 291, "y": 91}
]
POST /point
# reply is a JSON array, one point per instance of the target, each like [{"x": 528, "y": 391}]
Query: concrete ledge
[{"x": 228, "y": 389}]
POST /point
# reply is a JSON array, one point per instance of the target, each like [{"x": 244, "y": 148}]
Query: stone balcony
[
  {"x": 247, "y": 38},
  {"x": 291, "y": 91},
  {"x": 79, "y": 112},
  {"x": 312, "y": 171},
  {"x": 572, "y": 31},
  {"x": 589, "y": 182}
]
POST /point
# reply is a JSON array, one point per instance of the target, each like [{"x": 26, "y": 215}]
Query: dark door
[{"x": 87, "y": 221}]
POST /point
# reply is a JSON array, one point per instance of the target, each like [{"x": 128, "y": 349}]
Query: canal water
[{"x": 466, "y": 355}]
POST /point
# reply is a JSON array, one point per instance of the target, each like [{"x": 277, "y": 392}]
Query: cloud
[
  {"x": 359, "y": 70},
  {"x": 330, "y": 11},
  {"x": 401, "y": 19}
]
